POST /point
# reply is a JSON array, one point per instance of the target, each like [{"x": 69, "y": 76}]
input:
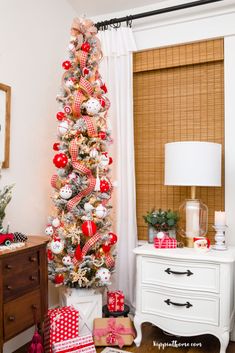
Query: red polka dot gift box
[
  {"x": 82, "y": 344},
  {"x": 115, "y": 301},
  {"x": 60, "y": 324}
]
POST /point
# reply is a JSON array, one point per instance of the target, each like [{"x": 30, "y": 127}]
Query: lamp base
[{"x": 189, "y": 242}]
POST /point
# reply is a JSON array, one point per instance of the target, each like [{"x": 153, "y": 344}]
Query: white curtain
[{"x": 116, "y": 69}]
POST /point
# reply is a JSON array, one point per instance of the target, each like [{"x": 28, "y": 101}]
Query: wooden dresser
[
  {"x": 23, "y": 287},
  {"x": 185, "y": 292}
]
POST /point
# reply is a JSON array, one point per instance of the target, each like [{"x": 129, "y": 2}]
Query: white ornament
[
  {"x": 103, "y": 274},
  {"x": 66, "y": 192},
  {"x": 49, "y": 230},
  {"x": 67, "y": 261},
  {"x": 94, "y": 153},
  {"x": 70, "y": 83},
  {"x": 92, "y": 106},
  {"x": 88, "y": 207},
  {"x": 71, "y": 47},
  {"x": 104, "y": 160},
  {"x": 160, "y": 235},
  {"x": 63, "y": 128},
  {"x": 101, "y": 211},
  {"x": 57, "y": 246},
  {"x": 56, "y": 222}
]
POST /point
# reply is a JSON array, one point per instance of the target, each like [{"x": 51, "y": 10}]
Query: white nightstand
[{"x": 185, "y": 292}]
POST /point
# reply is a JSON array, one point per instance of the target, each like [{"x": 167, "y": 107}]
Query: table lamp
[{"x": 193, "y": 163}]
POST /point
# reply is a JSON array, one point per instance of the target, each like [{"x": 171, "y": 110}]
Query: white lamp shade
[{"x": 193, "y": 163}]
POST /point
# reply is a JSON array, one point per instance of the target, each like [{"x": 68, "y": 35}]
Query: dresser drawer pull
[
  {"x": 169, "y": 302},
  {"x": 9, "y": 267},
  {"x": 9, "y": 287},
  {"x": 169, "y": 271},
  {"x": 32, "y": 278},
  {"x": 11, "y": 318},
  {"x": 32, "y": 259}
]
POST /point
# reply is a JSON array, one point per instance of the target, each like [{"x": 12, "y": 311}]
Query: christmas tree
[{"x": 80, "y": 251}]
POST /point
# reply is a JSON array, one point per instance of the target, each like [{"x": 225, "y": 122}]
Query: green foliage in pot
[{"x": 162, "y": 220}]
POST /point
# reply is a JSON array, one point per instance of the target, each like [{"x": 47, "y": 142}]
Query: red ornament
[
  {"x": 86, "y": 47},
  {"x": 102, "y": 135},
  {"x": 104, "y": 88},
  {"x": 56, "y": 146},
  {"x": 89, "y": 228},
  {"x": 50, "y": 255},
  {"x": 112, "y": 238},
  {"x": 78, "y": 253},
  {"x": 102, "y": 102},
  {"x": 67, "y": 65},
  {"x": 60, "y": 160},
  {"x": 59, "y": 278},
  {"x": 104, "y": 185},
  {"x": 85, "y": 71},
  {"x": 106, "y": 247},
  {"x": 60, "y": 116},
  {"x": 110, "y": 160}
]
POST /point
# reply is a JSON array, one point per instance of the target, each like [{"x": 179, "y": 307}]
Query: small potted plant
[{"x": 161, "y": 221}]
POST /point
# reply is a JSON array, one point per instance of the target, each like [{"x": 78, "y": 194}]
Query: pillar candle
[{"x": 220, "y": 219}]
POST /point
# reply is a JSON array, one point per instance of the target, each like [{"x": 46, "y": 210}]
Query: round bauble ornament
[
  {"x": 66, "y": 192},
  {"x": 88, "y": 207},
  {"x": 106, "y": 247},
  {"x": 66, "y": 65},
  {"x": 56, "y": 146},
  {"x": 85, "y": 71},
  {"x": 57, "y": 246},
  {"x": 67, "y": 109},
  {"x": 49, "y": 230},
  {"x": 103, "y": 274},
  {"x": 56, "y": 222},
  {"x": 102, "y": 102},
  {"x": 60, "y": 160},
  {"x": 102, "y": 135},
  {"x": 67, "y": 261},
  {"x": 101, "y": 211},
  {"x": 112, "y": 238},
  {"x": 50, "y": 255},
  {"x": 59, "y": 278},
  {"x": 63, "y": 128},
  {"x": 60, "y": 116},
  {"x": 92, "y": 106},
  {"x": 89, "y": 228},
  {"x": 86, "y": 47},
  {"x": 94, "y": 153},
  {"x": 104, "y": 185}
]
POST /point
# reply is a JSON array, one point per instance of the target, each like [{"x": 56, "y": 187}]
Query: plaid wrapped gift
[
  {"x": 115, "y": 301},
  {"x": 165, "y": 243},
  {"x": 60, "y": 324},
  {"x": 83, "y": 344}
]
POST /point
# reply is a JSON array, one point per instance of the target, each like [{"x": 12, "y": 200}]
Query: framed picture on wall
[{"x": 5, "y": 104}]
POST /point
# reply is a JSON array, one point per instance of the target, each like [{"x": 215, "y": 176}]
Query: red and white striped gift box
[
  {"x": 115, "y": 301},
  {"x": 60, "y": 324},
  {"x": 83, "y": 344},
  {"x": 165, "y": 242}
]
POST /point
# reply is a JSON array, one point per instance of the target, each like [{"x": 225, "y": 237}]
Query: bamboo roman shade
[{"x": 178, "y": 96}]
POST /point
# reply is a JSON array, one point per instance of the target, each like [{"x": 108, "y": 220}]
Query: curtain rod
[{"x": 116, "y": 22}]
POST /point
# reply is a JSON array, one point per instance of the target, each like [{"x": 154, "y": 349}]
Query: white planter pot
[{"x": 87, "y": 301}]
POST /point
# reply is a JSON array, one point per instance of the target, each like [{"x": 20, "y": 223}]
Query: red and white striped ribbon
[
  {"x": 90, "y": 243},
  {"x": 91, "y": 129},
  {"x": 83, "y": 59},
  {"x": 78, "y": 99},
  {"x": 73, "y": 149},
  {"x": 54, "y": 180},
  {"x": 109, "y": 260},
  {"x": 86, "y": 86}
]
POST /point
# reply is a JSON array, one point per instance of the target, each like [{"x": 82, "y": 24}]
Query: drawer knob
[
  {"x": 11, "y": 318},
  {"x": 32, "y": 278},
  {"x": 34, "y": 307},
  {"x": 9, "y": 267},
  {"x": 169, "y": 302},
  {"x": 32, "y": 259},
  {"x": 9, "y": 287},
  {"x": 169, "y": 271}
]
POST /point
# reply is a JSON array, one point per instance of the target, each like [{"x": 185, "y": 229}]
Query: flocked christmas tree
[{"x": 81, "y": 247}]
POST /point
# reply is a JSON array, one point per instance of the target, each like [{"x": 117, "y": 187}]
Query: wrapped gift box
[
  {"x": 115, "y": 300},
  {"x": 60, "y": 324},
  {"x": 165, "y": 242},
  {"x": 113, "y": 332},
  {"x": 82, "y": 344}
]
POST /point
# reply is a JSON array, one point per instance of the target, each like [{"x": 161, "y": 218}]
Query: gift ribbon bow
[
  {"x": 53, "y": 325},
  {"x": 73, "y": 149},
  {"x": 114, "y": 332}
]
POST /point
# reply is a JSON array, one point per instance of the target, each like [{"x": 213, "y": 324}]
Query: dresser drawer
[
  {"x": 18, "y": 314},
  {"x": 18, "y": 285},
  {"x": 179, "y": 305},
  {"x": 181, "y": 275},
  {"x": 18, "y": 264}
]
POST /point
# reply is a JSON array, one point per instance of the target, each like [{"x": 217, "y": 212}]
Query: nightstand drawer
[
  {"x": 180, "y": 274},
  {"x": 179, "y": 305},
  {"x": 18, "y": 264},
  {"x": 18, "y": 314},
  {"x": 18, "y": 285}
]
